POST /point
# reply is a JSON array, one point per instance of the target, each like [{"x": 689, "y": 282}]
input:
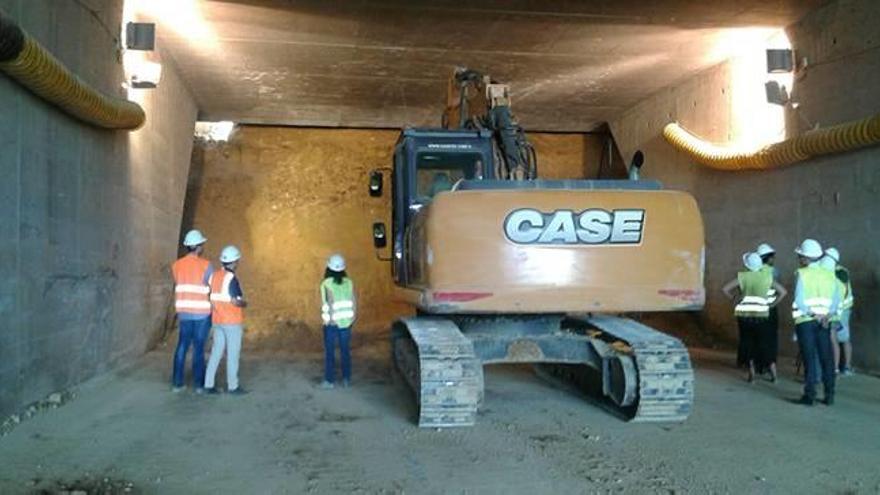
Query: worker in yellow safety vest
[
  {"x": 827, "y": 263},
  {"x": 768, "y": 258},
  {"x": 191, "y": 293},
  {"x": 816, "y": 300},
  {"x": 754, "y": 286},
  {"x": 842, "y": 338},
  {"x": 338, "y": 312}
]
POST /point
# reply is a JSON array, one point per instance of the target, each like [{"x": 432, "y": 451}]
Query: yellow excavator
[{"x": 504, "y": 267}]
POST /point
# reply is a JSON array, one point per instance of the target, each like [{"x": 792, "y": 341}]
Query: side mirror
[
  {"x": 379, "y": 238},
  {"x": 635, "y": 166},
  {"x": 376, "y": 183}
]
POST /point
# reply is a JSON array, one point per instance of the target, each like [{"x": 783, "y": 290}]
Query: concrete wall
[
  {"x": 832, "y": 199},
  {"x": 292, "y": 196},
  {"x": 90, "y": 217}
]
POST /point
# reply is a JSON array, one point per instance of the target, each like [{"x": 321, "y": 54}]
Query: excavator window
[{"x": 437, "y": 172}]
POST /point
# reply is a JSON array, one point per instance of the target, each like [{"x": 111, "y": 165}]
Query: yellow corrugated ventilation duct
[
  {"x": 836, "y": 139},
  {"x": 23, "y": 58}
]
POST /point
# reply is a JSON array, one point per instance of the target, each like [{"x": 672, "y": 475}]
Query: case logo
[{"x": 591, "y": 226}]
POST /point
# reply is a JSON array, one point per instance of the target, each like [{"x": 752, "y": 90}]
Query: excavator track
[
  {"x": 439, "y": 364},
  {"x": 646, "y": 374},
  {"x": 663, "y": 368}
]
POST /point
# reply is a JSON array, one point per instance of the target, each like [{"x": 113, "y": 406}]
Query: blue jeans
[
  {"x": 193, "y": 332},
  {"x": 332, "y": 334},
  {"x": 816, "y": 353}
]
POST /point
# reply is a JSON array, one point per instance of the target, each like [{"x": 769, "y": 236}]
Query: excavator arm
[{"x": 475, "y": 101}]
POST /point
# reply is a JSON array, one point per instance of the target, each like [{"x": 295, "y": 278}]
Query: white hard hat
[
  {"x": 336, "y": 263},
  {"x": 833, "y": 253},
  {"x": 230, "y": 254},
  {"x": 193, "y": 238},
  {"x": 752, "y": 261},
  {"x": 810, "y": 248},
  {"x": 828, "y": 263},
  {"x": 764, "y": 249}
]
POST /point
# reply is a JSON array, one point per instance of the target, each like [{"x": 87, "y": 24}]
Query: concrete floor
[{"x": 289, "y": 437}]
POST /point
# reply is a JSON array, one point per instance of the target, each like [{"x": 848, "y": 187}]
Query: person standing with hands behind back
[
  {"x": 338, "y": 313},
  {"x": 816, "y": 299}
]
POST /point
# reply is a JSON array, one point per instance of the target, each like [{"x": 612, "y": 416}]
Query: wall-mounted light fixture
[
  {"x": 780, "y": 60},
  {"x": 140, "y": 36},
  {"x": 146, "y": 75},
  {"x": 142, "y": 67},
  {"x": 776, "y": 93}
]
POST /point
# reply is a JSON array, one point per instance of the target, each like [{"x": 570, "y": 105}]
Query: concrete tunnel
[{"x": 259, "y": 122}]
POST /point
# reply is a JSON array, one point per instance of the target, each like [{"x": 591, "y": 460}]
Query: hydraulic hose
[
  {"x": 23, "y": 58},
  {"x": 836, "y": 139}
]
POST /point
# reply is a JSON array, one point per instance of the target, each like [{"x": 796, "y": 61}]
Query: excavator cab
[{"x": 428, "y": 162}]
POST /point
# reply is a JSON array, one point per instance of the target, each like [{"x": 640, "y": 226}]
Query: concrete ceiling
[{"x": 572, "y": 64}]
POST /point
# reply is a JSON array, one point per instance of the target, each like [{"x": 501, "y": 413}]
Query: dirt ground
[{"x": 125, "y": 432}]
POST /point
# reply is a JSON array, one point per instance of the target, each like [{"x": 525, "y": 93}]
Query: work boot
[{"x": 806, "y": 401}]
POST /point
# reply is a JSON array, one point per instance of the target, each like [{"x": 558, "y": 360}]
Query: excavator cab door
[{"x": 428, "y": 162}]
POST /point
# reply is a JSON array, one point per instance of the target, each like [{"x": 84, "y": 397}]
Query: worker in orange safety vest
[
  {"x": 193, "y": 307},
  {"x": 227, "y": 318}
]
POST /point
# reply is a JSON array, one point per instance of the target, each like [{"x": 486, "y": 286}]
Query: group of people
[
  {"x": 821, "y": 309},
  {"x": 209, "y": 302}
]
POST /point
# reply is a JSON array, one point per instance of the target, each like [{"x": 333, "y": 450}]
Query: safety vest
[
  {"x": 847, "y": 300},
  {"x": 337, "y": 302},
  {"x": 225, "y": 313},
  {"x": 190, "y": 291},
  {"x": 841, "y": 288},
  {"x": 754, "y": 287},
  {"x": 818, "y": 286},
  {"x": 771, "y": 292}
]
